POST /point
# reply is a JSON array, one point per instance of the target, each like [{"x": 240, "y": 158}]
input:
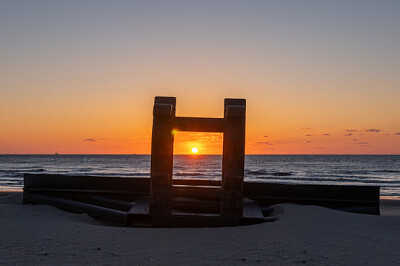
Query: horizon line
[{"x": 252, "y": 154}]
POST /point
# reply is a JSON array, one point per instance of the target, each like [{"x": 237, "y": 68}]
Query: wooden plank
[
  {"x": 348, "y": 192},
  {"x": 197, "y": 182},
  {"x": 197, "y": 192},
  {"x": 266, "y": 194},
  {"x": 162, "y": 155},
  {"x": 195, "y": 206},
  {"x": 198, "y": 124},
  {"x": 233, "y": 157},
  {"x": 140, "y": 207},
  {"x": 106, "y": 183},
  {"x": 252, "y": 189},
  {"x": 107, "y": 202},
  {"x": 125, "y": 196}
]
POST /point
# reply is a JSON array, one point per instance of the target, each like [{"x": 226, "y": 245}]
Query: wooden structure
[
  {"x": 359, "y": 199},
  {"x": 225, "y": 200},
  {"x": 162, "y": 201}
]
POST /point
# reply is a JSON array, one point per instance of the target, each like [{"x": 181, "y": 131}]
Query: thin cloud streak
[{"x": 373, "y": 130}]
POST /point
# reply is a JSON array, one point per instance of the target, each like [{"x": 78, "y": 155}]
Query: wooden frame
[{"x": 230, "y": 195}]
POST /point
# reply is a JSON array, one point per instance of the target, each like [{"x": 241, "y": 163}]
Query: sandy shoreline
[{"x": 39, "y": 234}]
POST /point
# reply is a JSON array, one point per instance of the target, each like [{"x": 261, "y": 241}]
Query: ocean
[{"x": 370, "y": 170}]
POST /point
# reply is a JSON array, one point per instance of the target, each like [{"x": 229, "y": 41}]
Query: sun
[{"x": 195, "y": 150}]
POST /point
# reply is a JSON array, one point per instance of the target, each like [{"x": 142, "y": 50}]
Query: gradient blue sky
[{"x": 76, "y": 70}]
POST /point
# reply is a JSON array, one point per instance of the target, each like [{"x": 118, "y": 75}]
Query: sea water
[{"x": 371, "y": 170}]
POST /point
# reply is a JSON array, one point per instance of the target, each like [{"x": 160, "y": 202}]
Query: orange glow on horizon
[
  {"x": 86, "y": 85},
  {"x": 197, "y": 143}
]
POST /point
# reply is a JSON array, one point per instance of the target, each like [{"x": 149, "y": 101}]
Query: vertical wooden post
[
  {"x": 162, "y": 155},
  {"x": 233, "y": 157}
]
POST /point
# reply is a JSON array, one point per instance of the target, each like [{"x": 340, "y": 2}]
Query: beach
[{"x": 311, "y": 235}]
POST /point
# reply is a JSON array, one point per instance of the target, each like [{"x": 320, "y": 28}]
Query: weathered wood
[
  {"x": 197, "y": 192},
  {"x": 315, "y": 191},
  {"x": 135, "y": 185},
  {"x": 233, "y": 157},
  {"x": 266, "y": 194},
  {"x": 196, "y": 206},
  {"x": 197, "y": 182},
  {"x": 140, "y": 207},
  {"x": 107, "y": 202},
  {"x": 164, "y": 124},
  {"x": 162, "y": 155},
  {"x": 198, "y": 124},
  {"x": 138, "y": 215}
]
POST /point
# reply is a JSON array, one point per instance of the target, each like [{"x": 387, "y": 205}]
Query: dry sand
[{"x": 311, "y": 235}]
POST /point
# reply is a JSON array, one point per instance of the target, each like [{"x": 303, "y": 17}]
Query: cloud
[
  {"x": 397, "y": 133},
  {"x": 305, "y": 128},
  {"x": 309, "y": 135},
  {"x": 326, "y": 134},
  {"x": 263, "y": 143},
  {"x": 355, "y": 139},
  {"x": 348, "y": 134},
  {"x": 266, "y": 136},
  {"x": 350, "y": 130},
  {"x": 93, "y": 140},
  {"x": 308, "y": 141},
  {"x": 373, "y": 130},
  {"x": 284, "y": 142},
  {"x": 362, "y": 143}
]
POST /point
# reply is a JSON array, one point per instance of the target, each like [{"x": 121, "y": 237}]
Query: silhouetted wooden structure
[
  {"x": 161, "y": 201},
  {"x": 225, "y": 201}
]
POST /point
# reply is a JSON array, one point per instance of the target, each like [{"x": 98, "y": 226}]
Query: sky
[{"x": 319, "y": 77}]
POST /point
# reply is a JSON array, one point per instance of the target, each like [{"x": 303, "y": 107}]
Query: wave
[
  {"x": 265, "y": 173},
  {"x": 22, "y": 170},
  {"x": 188, "y": 174},
  {"x": 386, "y": 171}
]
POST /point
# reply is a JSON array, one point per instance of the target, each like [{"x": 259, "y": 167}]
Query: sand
[{"x": 311, "y": 235}]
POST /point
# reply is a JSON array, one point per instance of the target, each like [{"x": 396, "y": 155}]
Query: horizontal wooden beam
[
  {"x": 195, "y": 206},
  {"x": 199, "y": 124},
  {"x": 265, "y": 194},
  {"x": 197, "y": 192}
]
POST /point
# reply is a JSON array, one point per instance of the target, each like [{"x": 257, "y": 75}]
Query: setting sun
[{"x": 195, "y": 149}]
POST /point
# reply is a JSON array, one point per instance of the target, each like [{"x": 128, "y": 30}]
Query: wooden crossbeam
[
  {"x": 197, "y": 192},
  {"x": 198, "y": 124},
  {"x": 195, "y": 206}
]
